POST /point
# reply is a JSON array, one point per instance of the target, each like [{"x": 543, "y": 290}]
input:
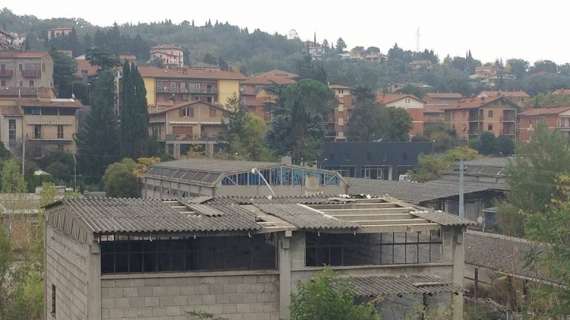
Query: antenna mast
[{"x": 418, "y": 40}]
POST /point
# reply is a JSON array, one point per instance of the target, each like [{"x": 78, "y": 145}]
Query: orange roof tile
[
  {"x": 508, "y": 94},
  {"x": 543, "y": 111},
  {"x": 383, "y": 98},
  {"x": 23, "y": 54},
  {"x": 189, "y": 73},
  {"x": 84, "y": 67},
  {"x": 443, "y": 95},
  {"x": 278, "y": 73}
]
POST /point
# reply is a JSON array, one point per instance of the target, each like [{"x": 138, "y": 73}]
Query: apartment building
[
  {"x": 26, "y": 69},
  {"x": 168, "y": 87},
  {"x": 473, "y": 116},
  {"x": 242, "y": 258},
  {"x": 169, "y": 55},
  {"x": 256, "y": 93},
  {"x": 557, "y": 118},
  {"x": 337, "y": 121},
  {"x": 519, "y": 97},
  {"x": 435, "y": 104},
  {"x": 59, "y": 32},
  {"x": 412, "y": 104}
]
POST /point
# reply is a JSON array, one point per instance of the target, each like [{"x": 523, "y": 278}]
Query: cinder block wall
[
  {"x": 66, "y": 261},
  {"x": 233, "y": 297}
]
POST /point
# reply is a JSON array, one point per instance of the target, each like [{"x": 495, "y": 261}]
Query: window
[
  {"x": 37, "y": 131},
  {"x": 31, "y": 83},
  {"x": 490, "y": 114},
  {"x": 21, "y": 83},
  {"x": 490, "y": 127},
  {"x": 3, "y": 67},
  {"x": 212, "y": 112},
  {"x": 3, "y": 83},
  {"x": 187, "y": 112},
  {"x": 12, "y": 131},
  {"x": 20, "y": 67},
  {"x": 53, "y": 301},
  {"x": 340, "y": 121},
  {"x": 60, "y": 132},
  {"x": 407, "y": 100},
  {"x": 43, "y": 67}
]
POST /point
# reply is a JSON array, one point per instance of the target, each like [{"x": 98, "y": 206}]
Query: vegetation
[
  {"x": 12, "y": 179},
  {"x": 63, "y": 71},
  {"x": 487, "y": 144},
  {"x": 120, "y": 180},
  {"x": 326, "y": 297},
  {"x": 432, "y": 166},
  {"x": 134, "y": 113}
]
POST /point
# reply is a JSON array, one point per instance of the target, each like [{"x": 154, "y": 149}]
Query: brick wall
[
  {"x": 239, "y": 296},
  {"x": 66, "y": 269}
]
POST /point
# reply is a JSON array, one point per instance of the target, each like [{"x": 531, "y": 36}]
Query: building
[
  {"x": 6, "y": 40},
  {"x": 168, "y": 55},
  {"x": 557, "y": 118},
  {"x": 373, "y": 160},
  {"x": 113, "y": 258},
  {"x": 473, "y": 116},
  {"x": 256, "y": 93},
  {"x": 19, "y": 217},
  {"x": 188, "y": 127},
  {"x": 412, "y": 104},
  {"x": 43, "y": 123},
  {"x": 420, "y": 65},
  {"x": 519, "y": 97},
  {"x": 314, "y": 49},
  {"x": 59, "y": 32},
  {"x": 172, "y": 86},
  {"x": 442, "y": 99},
  {"x": 26, "y": 69},
  {"x": 484, "y": 170},
  {"x": 212, "y": 177},
  {"x": 337, "y": 121},
  {"x": 561, "y": 92}
]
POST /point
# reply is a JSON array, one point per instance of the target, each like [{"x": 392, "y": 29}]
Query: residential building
[
  {"x": 412, "y": 104},
  {"x": 168, "y": 87},
  {"x": 562, "y": 92},
  {"x": 557, "y": 118},
  {"x": 314, "y": 49},
  {"x": 420, "y": 65},
  {"x": 337, "y": 120},
  {"x": 519, "y": 97},
  {"x": 26, "y": 69},
  {"x": 127, "y": 57},
  {"x": 256, "y": 93},
  {"x": 59, "y": 32},
  {"x": 169, "y": 55},
  {"x": 435, "y": 104},
  {"x": 473, "y": 116},
  {"x": 85, "y": 70},
  {"x": 6, "y": 40},
  {"x": 212, "y": 177},
  {"x": 188, "y": 127},
  {"x": 373, "y": 160},
  {"x": 114, "y": 258}
]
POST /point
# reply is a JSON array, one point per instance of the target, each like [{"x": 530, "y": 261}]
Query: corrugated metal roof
[
  {"x": 118, "y": 215},
  {"x": 442, "y": 218},
  {"x": 374, "y": 286},
  {"x": 304, "y": 217}
]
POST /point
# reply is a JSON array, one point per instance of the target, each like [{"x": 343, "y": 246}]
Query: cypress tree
[
  {"x": 97, "y": 140},
  {"x": 134, "y": 113}
]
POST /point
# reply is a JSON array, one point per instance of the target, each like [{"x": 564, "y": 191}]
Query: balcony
[
  {"x": 6, "y": 73},
  {"x": 31, "y": 73}
]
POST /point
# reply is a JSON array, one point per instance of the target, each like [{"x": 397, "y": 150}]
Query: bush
[
  {"x": 504, "y": 146},
  {"x": 120, "y": 181}
]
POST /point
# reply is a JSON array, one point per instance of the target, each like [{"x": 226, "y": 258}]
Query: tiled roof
[
  {"x": 562, "y": 92},
  {"x": 383, "y": 98},
  {"x": 508, "y": 94},
  {"x": 189, "y": 73},
  {"x": 430, "y": 108},
  {"x": 23, "y": 54},
  {"x": 543, "y": 111},
  {"x": 268, "y": 81},
  {"x": 304, "y": 217},
  {"x": 443, "y": 95},
  {"x": 478, "y": 102},
  {"x": 84, "y": 67},
  {"x": 338, "y": 86},
  {"x": 120, "y": 215},
  {"x": 278, "y": 73},
  {"x": 375, "y": 286},
  {"x": 166, "y": 46}
]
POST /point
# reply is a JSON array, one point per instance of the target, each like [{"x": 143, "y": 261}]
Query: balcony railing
[
  {"x": 31, "y": 74},
  {"x": 6, "y": 73},
  {"x": 189, "y": 137}
]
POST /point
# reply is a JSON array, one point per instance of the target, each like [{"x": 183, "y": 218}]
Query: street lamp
[{"x": 254, "y": 171}]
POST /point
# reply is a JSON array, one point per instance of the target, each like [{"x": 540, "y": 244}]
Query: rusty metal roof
[{"x": 375, "y": 286}]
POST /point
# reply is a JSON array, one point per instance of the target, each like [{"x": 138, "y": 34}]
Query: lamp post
[{"x": 254, "y": 171}]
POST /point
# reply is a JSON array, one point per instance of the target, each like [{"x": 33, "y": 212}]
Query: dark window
[
  {"x": 53, "y": 300},
  {"x": 66, "y": 112},
  {"x": 404, "y": 156},
  {"x": 60, "y": 132},
  {"x": 2, "y": 67},
  {"x": 37, "y": 131},
  {"x": 490, "y": 114},
  {"x": 12, "y": 131},
  {"x": 20, "y": 67},
  {"x": 3, "y": 83},
  {"x": 187, "y": 112},
  {"x": 490, "y": 127},
  {"x": 31, "y": 83},
  {"x": 49, "y": 111}
]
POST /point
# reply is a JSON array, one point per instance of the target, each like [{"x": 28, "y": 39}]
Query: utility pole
[
  {"x": 74, "y": 173},
  {"x": 461, "y": 191},
  {"x": 23, "y": 153},
  {"x": 418, "y": 40}
]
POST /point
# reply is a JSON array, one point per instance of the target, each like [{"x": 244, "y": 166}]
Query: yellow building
[{"x": 168, "y": 87}]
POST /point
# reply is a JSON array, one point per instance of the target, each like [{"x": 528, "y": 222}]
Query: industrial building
[
  {"x": 241, "y": 258},
  {"x": 211, "y": 177}
]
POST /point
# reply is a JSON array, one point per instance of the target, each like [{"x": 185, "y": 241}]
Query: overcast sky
[{"x": 529, "y": 29}]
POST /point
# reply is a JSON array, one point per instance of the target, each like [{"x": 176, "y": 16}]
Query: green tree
[
  {"x": 432, "y": 166},
  {"x": 102, "y": 58},
  {"x": 297, "y": 128},
  {"x": 98, "y": 138},
  {"x": 326, "y": 297},
  {"x": 366, "y": 121},
  {"x": 12, "y": 178},
  {"x": 400, "y": 124},
  {"x": 504, "y": 146},
  {"x": 120, "y": 181},
  {"x": 6, "y": 262},
  {"x": 486, "y": 144},
  {"x": 63, "y": 70},
  {"x": 309, "y": 68},
  {"x": 245, "y": 134},
  {"x": 340, "y": 45},
  {"x": 134, "y": 113}
]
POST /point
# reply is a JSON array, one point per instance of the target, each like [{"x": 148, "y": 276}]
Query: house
[
  {"x": 420, "y": 65},
  {"x": 562, "y": 92},
  {"x": 473, "y": 116},
  {"x": 194, "y": 126},
  {"x": 435, "y": 104},
  {"x": 116, "y": 258},
  {"x": 26, "y": 69},
  {"x": 168, "y": 87},
  {"x": 373, "y": 160},
  {"x": 168, "y": 55},
  {"x": 6, "y": 40},
  {"x": 337, "y": 120},
  {"x": 519, "y": 97},
  {"x": 412, "y": 104},
  {"x": 59, "y": 32},
  {"x": 213, "y": 177},
  {"x": 256, "y": 93},
  {"x": 557, "y": 118}
]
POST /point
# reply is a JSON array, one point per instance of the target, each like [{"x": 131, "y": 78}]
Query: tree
[
  {"x": 340, "y": 45},
  {"x": 98, "y": 139},
  {"x": 134, "y": 113},
  {"x": 400, "y": 124},
  {"x": 504, "y": 146},
  {"x": 245, "y": 134},
  {"x": 432, "y": 166},
  {"x": 326, "y": 297},
  {"x": 486, "y": 144},
  {"x": 366, "y": 121},
  {"x": 63, "y": 70},
  {"x": 309, "y": 68},
  {"x": 102, "y": 58},
  {"x": 297, "y": 128},
  {"x": 518, "y": 67},
  {"x": 12, "y": 179},
  {"x": 120, "y": 181}
]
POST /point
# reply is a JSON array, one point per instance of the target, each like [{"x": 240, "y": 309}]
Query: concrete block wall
[
  {"x": 171, "y": 297},
  {"x": 67, "y": 265}
]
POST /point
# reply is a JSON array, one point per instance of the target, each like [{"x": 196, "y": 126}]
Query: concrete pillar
[
  {"x": 177, "y": 151},
  {"x": 284, "y": 277},
  {"x": 458, "y": 272},
  {"x": 94, "y": 283},
  {"x": 390, "y": 173},
  {"x": 210, "y": 150}
]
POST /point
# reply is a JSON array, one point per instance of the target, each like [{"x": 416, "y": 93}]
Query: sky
[{"x": 491, "y": 29}]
